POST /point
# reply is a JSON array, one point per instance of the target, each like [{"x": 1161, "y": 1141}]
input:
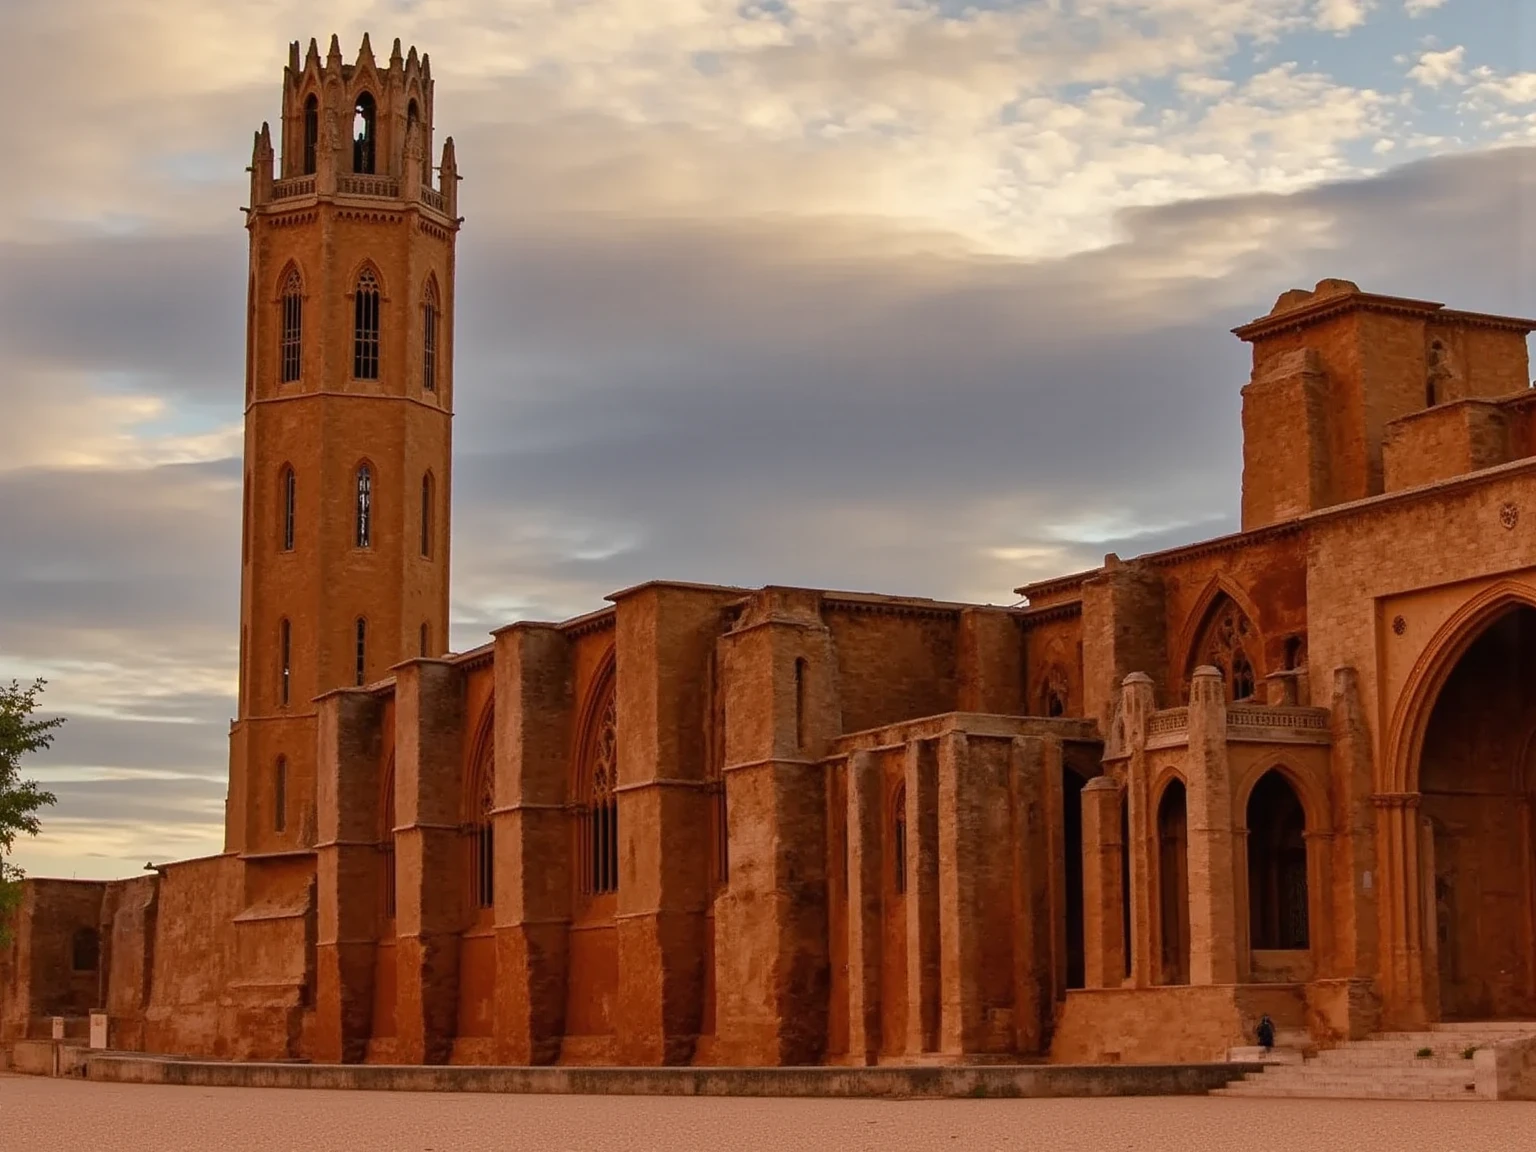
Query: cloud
[
  {"x": 1435, "y": 69},
  {"x": 1341, "y": 16},
  {"x": 1417, "y": 8}
]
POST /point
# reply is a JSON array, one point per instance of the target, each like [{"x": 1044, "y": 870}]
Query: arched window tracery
[
  {"x": 598, "y": 812},
  {"x": 288, "y": 492},
  {"x": 363, "y": 534},
  {"x": 365, "y": 327},
  {"x": 1054, "y": 693},
  {"x": 291, "y": 340},
  {"x": 429, "y": 338},
  {"x": 1228, "y": 643},
  {"x": 483, "y": 803}
]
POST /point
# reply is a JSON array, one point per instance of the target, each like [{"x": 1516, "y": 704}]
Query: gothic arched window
[
  {"x": 429, "y": 338},
  {"x": 288, "y": 491},
  {"x": 280, "y": 794},
  {"x": 1054, "y": 694},
  {"x": 311, "y": 133},
  {"x": 291, "y": 342},
  {"x": 365, "y": 327},
  {"x": 285, "y": 658},
  {"x": 598, "y": 815},
  {"x": 1228, "y": 643},
  {"x": 426, "y": 515},
  {"x": 364, "y": 121},
  {"x": 483, "y": 800},
  {"x": 899, "y": 839},
  {"x": 363, "y": 536}
]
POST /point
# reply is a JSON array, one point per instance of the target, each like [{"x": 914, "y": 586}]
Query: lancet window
[
  {"x": 899, "y": 839},
  {"x": 364, "y": 138},
  {"x": 363, "y": 534},
  {"x": 365, "y": 327},
  {"x": 429, "y": 339},
  {"x": 598, "y": 816},
  {"x": 484, "y": 831},
  {"x": 289, "y": 492},
  {"x": 1228, "y": 644},
  {"x": 291, "y": 343},
  {"x": 311, "y": 133},
  {"x": 280, "y": 794}
]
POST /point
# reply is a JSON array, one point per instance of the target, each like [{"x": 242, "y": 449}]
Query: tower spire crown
[{"x": 347, "y": 128}]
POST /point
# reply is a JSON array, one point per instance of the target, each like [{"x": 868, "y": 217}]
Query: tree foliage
[{"x": 20, "y": 735}]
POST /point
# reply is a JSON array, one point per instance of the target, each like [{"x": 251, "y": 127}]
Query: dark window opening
[
  {"x": 85, "y": 950},
  {"x": 364, "y": 119},
  {"x": 1277, "y": 865},
  {"x": 291, "y": 342},
  {"x": 800, "y": 704},
  {"x": 426, "y": 638},
  {"x": 285, "y": 656},
  {"x": 1173, "y": 883},
  {"x": 363, "y": 536},
  {"x": 290, "y": 491},
  {"x": 362, "y": 650},
  {"x": 429, "y": 341},
  {"x": 899, "y": 840},
  {"x": 599, "y": 816},
  {"x": 311, "y": 133},
  {"x": 365, "y": 327},
  {"x": 1292, "y": 653},
  {"x": 426, "y": 515},
  {"x": 280, "y": 795}
]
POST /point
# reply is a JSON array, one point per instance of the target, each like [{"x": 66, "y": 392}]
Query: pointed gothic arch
[
  {"x": 1222, "y": 632},
  {"x": 367, "y": 307},
  {"x": 479, "y": 806},
  {"x": 430, "y": 313},
  {"x": 597, "y": 808},
  {"x": 290, "y": 335}
]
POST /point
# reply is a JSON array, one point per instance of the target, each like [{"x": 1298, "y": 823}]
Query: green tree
[{"x": 20, "y": 799}]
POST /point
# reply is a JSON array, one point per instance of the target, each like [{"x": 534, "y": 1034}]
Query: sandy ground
[{"x": 37, "y": 1114}]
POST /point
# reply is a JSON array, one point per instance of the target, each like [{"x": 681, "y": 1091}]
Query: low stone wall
[
  {"x": 1170, "y": 1022},
  {"x": 1507, "y": 1070},
  {"x": 1013, "y": 1081},
  {"x": 36, "y": 1058}
]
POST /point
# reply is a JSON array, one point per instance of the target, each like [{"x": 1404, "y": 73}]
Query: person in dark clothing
[{"x": 1266, "y": 1032}]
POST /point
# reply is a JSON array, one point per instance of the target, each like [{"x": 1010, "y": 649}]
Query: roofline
[
  {"x": 1322, "y": 307},
  {"x": 1290, "y": 527}
]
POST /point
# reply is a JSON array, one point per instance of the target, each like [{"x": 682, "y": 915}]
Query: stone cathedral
[{"x": 1286, "y": 771}]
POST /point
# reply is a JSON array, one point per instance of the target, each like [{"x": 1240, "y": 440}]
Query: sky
[{"x": 923, "y": 297}]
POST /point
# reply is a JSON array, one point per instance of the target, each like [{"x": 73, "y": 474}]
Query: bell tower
[{"x": 348, "y": 413}]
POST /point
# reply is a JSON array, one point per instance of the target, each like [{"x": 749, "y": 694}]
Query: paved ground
[{"x": 65, "y": 1115}]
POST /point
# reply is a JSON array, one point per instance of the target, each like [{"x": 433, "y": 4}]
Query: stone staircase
[{"x": 1432, "y": 1065}]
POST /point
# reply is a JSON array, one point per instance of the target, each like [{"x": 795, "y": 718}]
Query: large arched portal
[
  {"x": 1173, "y": 883},
  {"x": 1475, "y": 791},
  {"x": 1277, "y": 866}
]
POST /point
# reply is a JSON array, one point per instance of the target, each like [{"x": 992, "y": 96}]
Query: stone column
[
  {"x": 866, "y": 867},
  {"x": 779, "y": 686},
  {"x": 431, "y": 876},
  {"x": 1212, "y": 866},
  {"x": 1038, "y": 910},
  {"x": 1401, "y": 909},
  {"x": 1356, "y": 867},
  {"x": 347, "y": 872},
  {"x": 1103, "y": 897},
  {"x": 1124, "y": 629},
  {"x": 664, "y": 637},
  {"x": 532, "y": 836},
  {"x": 1136, "y": 707},
  {"x": 924, "y": 991}
]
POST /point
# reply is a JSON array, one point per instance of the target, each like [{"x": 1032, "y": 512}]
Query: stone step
[
  {"x": 1344, "y": 1058},
  {"x": 1315, "y": 1092}
]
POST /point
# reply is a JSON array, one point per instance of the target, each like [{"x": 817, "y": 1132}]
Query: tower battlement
[{"x": 354, "y": 129}]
